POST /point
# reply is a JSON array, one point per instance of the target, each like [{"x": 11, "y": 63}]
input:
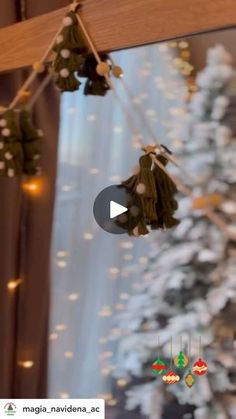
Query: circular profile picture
[{"x": 10, "y": 409}]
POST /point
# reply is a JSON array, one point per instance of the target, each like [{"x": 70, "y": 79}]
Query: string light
[
  {"x": 112, "y": 402},
  {"x": 126, "y": 245},
  {"x": 94, "y": 171},
  {"x": 64, "y": 395},
  {"x": 124, "y": 296},
  {"x": 105, "y": 312},
  {"x": 91, "y": 118},
  {"x": 103, "y": 341},
  {"x": 53, "y": 336},
  {"x": 122, "y": 382},
  {"x": 26, "y": 364},
  {"x": 68, "y": 354},
  {"x": 62, "y": 254},
  {"x": 105, "y": 396},
  {"x": 13, "y": 284},
  {"x": 88, "y": 236},
  {"x": 73, "y": 297},
  {"x": 61, "y": 264},
  {"x": 66, "y": 188},
  {"x": 61, "y": 327},
  {"x": 33, "y": 187}
]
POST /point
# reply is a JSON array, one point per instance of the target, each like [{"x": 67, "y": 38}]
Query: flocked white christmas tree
[{"x": 189, "y": 284}]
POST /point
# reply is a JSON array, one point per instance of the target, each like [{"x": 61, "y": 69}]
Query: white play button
[{"x": 116, "y": 209}]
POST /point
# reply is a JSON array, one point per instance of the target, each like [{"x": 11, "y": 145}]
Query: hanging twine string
[
  {"x": 39, "y": 91},
  {"x": 200, "y": 346},
  {"x": 32, "y": 76},
  {"x": 158, "y": 346},
  {"x": 181, "y": 344},
  {"x": 171, "y": 353},
  {"x": 186, "y": 191},
  {"x": 190, "y": 347}
]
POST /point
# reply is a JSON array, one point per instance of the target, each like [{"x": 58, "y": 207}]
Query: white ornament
[
  {"x": 67, "y": 21},
  {"x": 8, "y": 156},
  {"x": 141, "y": 188},
  {"x": 10, "y": 172},
  {"x": 2, "y": 165},
  {"x": 64, "y": 73},
  {"x": 1, "y": 145},
  {"x": 3, "y": 123},
  {"x": 6, "y": 132},
  {"x": 65, "y": 53},
  {"x": 60, "y": 39}
]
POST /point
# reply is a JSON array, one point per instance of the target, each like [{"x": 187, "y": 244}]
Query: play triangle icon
[{"x": 116, "y": 209}]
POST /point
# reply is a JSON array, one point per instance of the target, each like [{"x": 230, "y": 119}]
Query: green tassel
[
  {"x": 166, "y": 204},
  {"x": 11, "y": 153},
  {"x": 69, "y": 47},
  {"x": 72, "y": 63},
  {"x": 31, "y": 142},
  {"x": 71, "y": 37},
  {"x": 68, "y": 84},
  {"x": 96, "y": 84},
  {"x": 144, "y": 184}
]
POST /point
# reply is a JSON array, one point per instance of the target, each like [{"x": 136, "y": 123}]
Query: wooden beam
[{"x": 116, "y": 25}]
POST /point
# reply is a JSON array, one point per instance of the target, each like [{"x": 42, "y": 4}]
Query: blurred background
[{"x": 117, "y": 301}]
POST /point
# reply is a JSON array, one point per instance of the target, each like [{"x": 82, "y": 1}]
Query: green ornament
[
  {"x": 181, "y": 360},
  {"x": 158, "y": 367}
]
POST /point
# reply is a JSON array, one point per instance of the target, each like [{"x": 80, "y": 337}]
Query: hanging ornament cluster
[
  {"x": 156, "y": 191},
  {"x": 72, "y": 60},
  {"x": 20, "y": 144},
  {"x": 180, "y": 361}
]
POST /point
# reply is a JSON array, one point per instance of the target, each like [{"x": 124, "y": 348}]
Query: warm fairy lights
[
  {"x": 73, "y": 297},
  {"x": 88, "y": 236},
  {"x": 122, "y": 382},
  {"x": 68, "y": 354},
  {"x": 64, "y": 395},
  {"x": 61, "y": 264},
  {"x": 53, "y": 336},
  {"x": 33, "y": 187},
  {"x": 13, "y": 284},
  {"x": 60, "y": 327},
  {"x": 26, "y": 364}
]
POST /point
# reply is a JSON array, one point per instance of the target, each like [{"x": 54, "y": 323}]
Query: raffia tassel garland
[
  {"x": 95, "y": 84},
  {"x": 166, "y": 204},
  {"x": 31, "y": 143},
  {"x": 70, "y": 48},
  {"x": 11, "y": 152},
  {"x": 143, "y": 183}
]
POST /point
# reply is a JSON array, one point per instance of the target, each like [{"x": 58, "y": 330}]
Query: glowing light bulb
[
  {"x": 88, "y": 236},
  {"x": 53, "y": 336},
  {"x": 64, "y": 395},
  {"x": 61, "y": 264},
  {"x": 13, "y": 284},
  {"x": 61, "y": 327},
  {"x": 26, "y": 364},
  {"x": 33, "y": 187},
  {"x": 112, "y": 402},
  {"x": 122, "y": 382},
  {"x": 68, "y": 354},
  {"x": 73, "y": 297}
]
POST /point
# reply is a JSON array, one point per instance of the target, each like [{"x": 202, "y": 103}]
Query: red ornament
[
  {"x": 200, "y": 367},
  {"x": 171, "y": 377}
]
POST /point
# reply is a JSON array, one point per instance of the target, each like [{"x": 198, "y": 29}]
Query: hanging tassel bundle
[
  {"x": 11, "y": 152},
  {"x": 70, "y": 48},
  {"x": 95, "y": 84},
  {"x": 156, "y": 191},
  {"x": 166, "y": 204},
  {"x": 31, "y": 143}
]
